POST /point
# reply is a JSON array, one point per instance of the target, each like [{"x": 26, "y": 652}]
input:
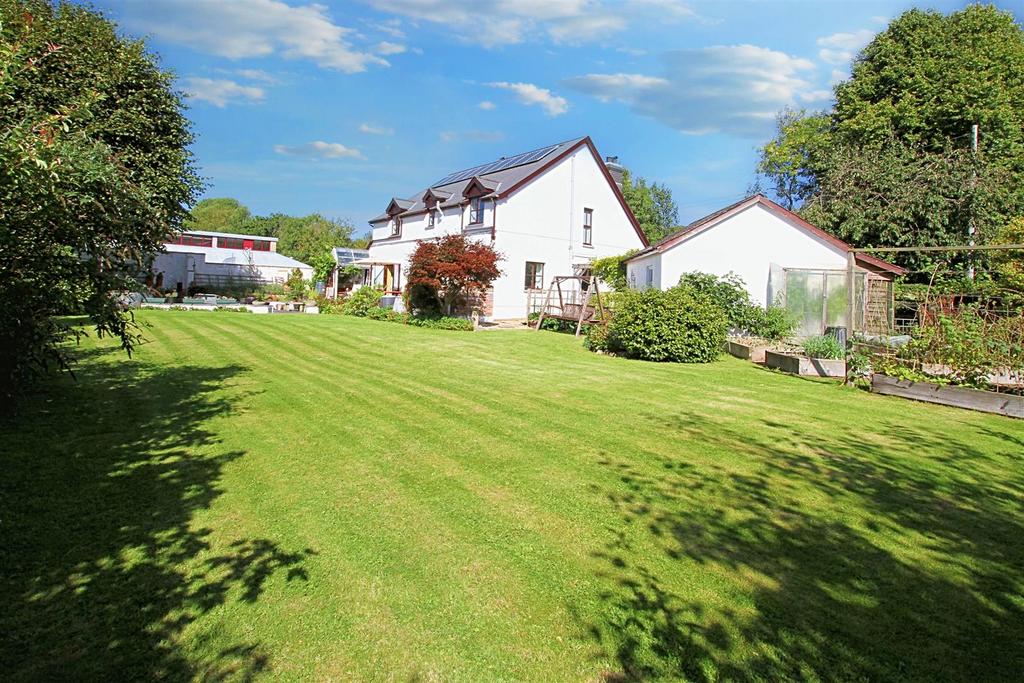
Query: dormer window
[
  {"x": 476, "y": 210},
  {"x": 396, "y": 226},
  {"x": 432, "y": 218}
]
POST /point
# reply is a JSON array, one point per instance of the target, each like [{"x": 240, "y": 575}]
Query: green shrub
[
  {"x": 971, "y": 342},
  {"x": 435, "y": 323},
  {"x": 611, "y": 270},
  {"x": 596, "y": 338},
  {"x": 270, "y": 289},
  {"x": 329, "y": 306},
  {"x": 361, "y": 301},
  {"x": 681, "y": 324},
  {"x": 423, "y": 301},
  {"x": 745, "y": 317},
  {"x": 444, "y": 323},
  {"x": 773, "y": 323},
  {"x": 388, "y": 314},
  {"x": 824, "y": 347}
]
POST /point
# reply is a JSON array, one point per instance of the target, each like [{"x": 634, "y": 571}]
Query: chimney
[{"x": 615, "y": 169}]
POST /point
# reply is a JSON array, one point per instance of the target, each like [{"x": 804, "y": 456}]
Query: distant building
[
  {"x": 215, "y": 259},
  {"x": 549, "y": 212},
  {"x": 347, "y": 256}
]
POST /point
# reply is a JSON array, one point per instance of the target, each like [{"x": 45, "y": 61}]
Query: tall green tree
[
  {"x": 312, "y": 236},
  {"x": 310, "y": 239},
  {"x": 891, "y": 162},
  {"x": 652, "y": 205},
  {"x": 94, "y": 173},
  {"x": 219, "y": 214}
]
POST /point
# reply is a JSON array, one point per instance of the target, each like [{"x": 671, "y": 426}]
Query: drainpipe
[{"x": 572, "y": 204}]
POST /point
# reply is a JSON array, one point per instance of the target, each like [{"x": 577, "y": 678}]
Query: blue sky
[{"x": 334, "y": 107}]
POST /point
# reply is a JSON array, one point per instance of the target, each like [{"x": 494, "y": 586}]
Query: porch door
[{"x": 389, "y": 278}]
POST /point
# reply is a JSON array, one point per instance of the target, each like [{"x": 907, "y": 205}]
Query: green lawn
[{"x": 327, "y": 498}]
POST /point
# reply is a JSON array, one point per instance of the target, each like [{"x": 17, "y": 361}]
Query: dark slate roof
[{"x": 496, "y": 181}]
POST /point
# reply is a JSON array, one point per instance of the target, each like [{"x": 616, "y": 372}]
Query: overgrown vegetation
[
  {"x": 681, "y": 324},
  {"x": 360, "y": 302},
  {"x": 94, "y": 173},
  {"x": 823, "y": 346},
  {"x": 891, "y": 162},
  {"x": 745, "y": 318},
  {"x": 437, "y": 323},
  {"x": 964, "y": 346},
  {"x": 611, "y": 270}
]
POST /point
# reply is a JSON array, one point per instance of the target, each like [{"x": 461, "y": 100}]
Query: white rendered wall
[
  {"x": 747, "y": 243},
  {"x": 181, "y": 267},
  {"x": 542, "y": 222},
  {"x": 636, "y": 272}
]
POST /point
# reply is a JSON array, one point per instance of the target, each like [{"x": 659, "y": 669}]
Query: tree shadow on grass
[
  {"x": 103, "y": 566},
  {"x": 847, "y": 557}
]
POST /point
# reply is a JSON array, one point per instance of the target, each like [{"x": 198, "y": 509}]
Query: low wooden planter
[
  {"x": 753, "y": 353},
  {"x": 958, "y": 397},
  {"x": 802, "y": 365}
]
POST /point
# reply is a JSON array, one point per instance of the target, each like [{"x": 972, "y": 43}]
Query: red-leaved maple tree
[{"x": 452, "y": 267}]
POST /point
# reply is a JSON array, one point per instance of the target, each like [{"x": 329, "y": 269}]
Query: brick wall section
[{"x": 485, "y": 304}]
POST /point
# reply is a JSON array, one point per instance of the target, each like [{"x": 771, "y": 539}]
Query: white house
[
  {"x": 783, "y": 260},
  {"x": 546, "y": 211},
  {"x": 216, "y": 258}
]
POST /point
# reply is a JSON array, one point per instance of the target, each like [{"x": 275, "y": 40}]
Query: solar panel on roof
[{"x": 495, "y": 166}]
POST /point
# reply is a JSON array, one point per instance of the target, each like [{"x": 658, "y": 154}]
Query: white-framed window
[
  {"x": 476, "y": 210},
  {"x": 588, "y": 227},
  {"x": 432, "y": 218},
  {"x": 534, "y": 275},
  {"x": 650, "y": 276},
  {"x": 396, "y": 226}
]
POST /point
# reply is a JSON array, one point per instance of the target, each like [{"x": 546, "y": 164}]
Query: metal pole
[
  {"x": 974, "y": 184},
  {"x": 851, "y": 263}
]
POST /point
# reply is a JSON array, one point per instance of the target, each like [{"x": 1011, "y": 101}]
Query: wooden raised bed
[
  {"x": 958, "y": 397},
  {"x": 802, "y": 365},
  {"x": 749, "y": 352}
]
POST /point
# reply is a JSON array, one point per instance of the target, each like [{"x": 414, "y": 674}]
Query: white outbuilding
[
  {"x": 212, "y": 260},
  {"x": 782, "y": 259}
]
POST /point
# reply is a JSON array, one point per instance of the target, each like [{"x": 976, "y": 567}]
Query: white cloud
[
  {"x": 391, "y": 27},
  {"x": 487, "y": 105},
  {"x": 841, "y": 48},
  {"x": 257, "y": 75},
  {"x": 371, "y": 129},
  {"x": 220, "y": 92},
  {"x": 386, "y": 48},
  {"x": 514, "y": 21},
  {"x": 815, "y": 96},
  {"x": 319, "y": 150},
  {"x": 530, "y": 94},
  {"x": 586, "y": 28},
  {"x": 448, "y": 136},
  {"x": 253, "y": 28},
  {"x": 735, "y": 89}
]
